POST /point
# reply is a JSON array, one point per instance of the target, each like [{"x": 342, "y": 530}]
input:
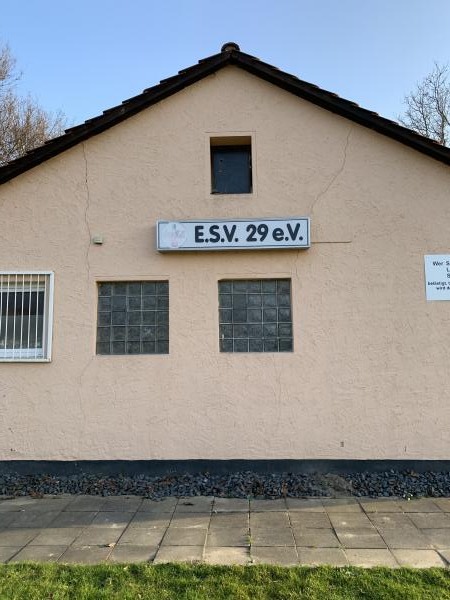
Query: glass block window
[
  {"x": 133, "y": 317},
  {"x": 255, "y": 315}
]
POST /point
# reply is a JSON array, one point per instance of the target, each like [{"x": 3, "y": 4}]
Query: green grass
[{"x": 198, "y": 582}]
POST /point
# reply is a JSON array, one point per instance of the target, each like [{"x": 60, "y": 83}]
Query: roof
[{"x": 229, "y": 55}]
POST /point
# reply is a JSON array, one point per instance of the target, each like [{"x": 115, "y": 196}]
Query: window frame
[
  {"x": 230, "y": 307},
  {"x": 130, "y": 280},
  {"x": 236, "y": 140},
  {"x": 6, "y": 354}
]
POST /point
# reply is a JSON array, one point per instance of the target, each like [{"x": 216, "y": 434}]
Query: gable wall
[{"x": 365, "y": 378}]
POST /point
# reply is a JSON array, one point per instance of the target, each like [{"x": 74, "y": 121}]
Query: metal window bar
[
  {"x": 21, "y": 338},
  {"x": 7, "y": 312},
  {"x": 14, "y": 317},
  {"x": 1, "y": 305},
  {"x": 21, "y": 314},
  {"x": 37, "y": 319}
]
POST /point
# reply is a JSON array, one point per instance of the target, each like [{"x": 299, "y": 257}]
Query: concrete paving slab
[
  {"x": 391, "y": 520},
  {"x": 18, "y": 503},
  {"x": 420, "y": 505},
  {"x": 196, "y": 504},
  {"x": 166, "y": 505},
  {"x": 184, "y": 537},
  {"x": 232, "y": 536},
  {"x": 381, "y": 505},
  {"x": 310, "y": 520},
  {"x": 7, "y": 506},
  {"x": 192, "y": 521},
  {"x": 39, "y": 553},
  {"x": 117, "y": 520},
  {"x": 442, "y": 503},
  {"x": 341, "y": 505},
  {"x": 122, "y": 503},
  {"x": 268, "y": 505},
  {"x": 86, "y": 555},
  {"x": 17, "y": 537},
  {"x": 8, "y": 552},
  {"x": 142, "y": 537},
  {"x": 277, "y": 555},
  {"x": 150, "y": 520},
  {"x": 322, "y": 556},
  {"x": 179, "y": 554},
  {"x": 430, "y": 520},
  {"x": 6, "y": 518},
  {"x": 360, "y": 538},
  {"x": 196, "y": 529},
  {"x": 226, "y": 556},
  {"x": 281, "y": 536},
  {"x": 49, "y": 504},
  {"x": 440, "y": 538},
  {"x": 405, "y": 538},
  {"x": 269, "y": 519},
  {"x": 98, "y": 536},
  {"x": 305, "y": 505},
  {"x": 350, "y": 521},
  {"x": 56, "y": 536},
  {"x": 231, "y": 505},
  {"x": 365, "y": 557},
  {"x": 74, "y": 519},
  {"x": 445, "y": 555},
  {"x": 32, "y": 518},
  {"x": 315, "y": 538},
  {"x": 132, "y": 554},
  {"x": 86, "y": 503},
  {"x": 228, "y": 519},
  {"x": 419, "y": 559}
]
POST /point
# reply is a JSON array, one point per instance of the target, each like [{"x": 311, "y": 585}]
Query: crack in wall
[
  {"x": 334, "y": 177},
  {"x": 88, "y": 273},
  {"x": 86, "y": 210}
]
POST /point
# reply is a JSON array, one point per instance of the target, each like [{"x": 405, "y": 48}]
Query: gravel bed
[{"x": 245, "y": 484}]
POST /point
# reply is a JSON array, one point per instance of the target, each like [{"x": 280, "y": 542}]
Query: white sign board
[
  {"x": 239, "y": 234},
  {"x": 437, "y": 276}
]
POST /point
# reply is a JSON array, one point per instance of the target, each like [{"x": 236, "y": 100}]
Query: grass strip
[{"x": 32, "y": 581}]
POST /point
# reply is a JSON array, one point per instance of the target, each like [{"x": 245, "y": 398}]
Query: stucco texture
[{"x": 367, "y": 377}]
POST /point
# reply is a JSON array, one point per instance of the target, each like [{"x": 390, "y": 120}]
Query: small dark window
[
  {"x": 255, "y": 315},
  {"x": 133, "y": 317},
  {"x": 231, "y": 168}
]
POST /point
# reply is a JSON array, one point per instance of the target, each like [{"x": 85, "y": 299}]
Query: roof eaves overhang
[
  {"x": 186, "y": 77},
  {"x": 113, "y": 116},
  {"x": 340, "y": 106}
]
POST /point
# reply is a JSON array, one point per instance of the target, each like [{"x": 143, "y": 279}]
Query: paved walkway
[{"x": 90, "y": 529}]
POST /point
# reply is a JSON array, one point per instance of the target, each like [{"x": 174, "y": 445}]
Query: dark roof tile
[{"x": 207, "y": 66}]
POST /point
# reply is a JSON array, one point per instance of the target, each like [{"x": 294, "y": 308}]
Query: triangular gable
[{"x": 229, "y": 55}]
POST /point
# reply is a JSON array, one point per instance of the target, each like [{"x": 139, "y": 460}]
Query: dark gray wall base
[{"x": 164, "y": 467}]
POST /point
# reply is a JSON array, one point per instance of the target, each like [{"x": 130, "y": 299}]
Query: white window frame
[{"x": 32, "y": 354}]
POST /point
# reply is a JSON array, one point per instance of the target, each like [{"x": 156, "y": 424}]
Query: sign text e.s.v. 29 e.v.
[{"x": 237, "y": 234}]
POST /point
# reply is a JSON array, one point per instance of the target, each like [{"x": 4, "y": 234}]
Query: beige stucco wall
[{"x": 367, "y": 378}]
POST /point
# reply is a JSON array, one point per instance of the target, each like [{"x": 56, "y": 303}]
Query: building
[{"x": 309, "y": 338}]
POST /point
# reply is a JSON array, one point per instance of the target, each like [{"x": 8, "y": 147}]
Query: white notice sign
[
  {"x": 437, "y": 276},
  {"x": 239, "y": 234}
]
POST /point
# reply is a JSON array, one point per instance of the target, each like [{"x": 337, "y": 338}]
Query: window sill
[
  {"x": 240, "y": 195},
  {"x": 25, "y": 360}
]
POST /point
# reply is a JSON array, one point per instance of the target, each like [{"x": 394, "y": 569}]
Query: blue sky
[{"x": 83, "y": 57}]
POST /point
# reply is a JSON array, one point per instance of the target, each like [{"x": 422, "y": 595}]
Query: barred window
[
  {"x": 255, "y": 315},
  {"x": 133, "y": 317},
  {"x": 26, "y": 308}
]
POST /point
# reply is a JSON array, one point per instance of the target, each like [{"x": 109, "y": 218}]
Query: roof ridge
[{"x": 204, "y": 67}]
